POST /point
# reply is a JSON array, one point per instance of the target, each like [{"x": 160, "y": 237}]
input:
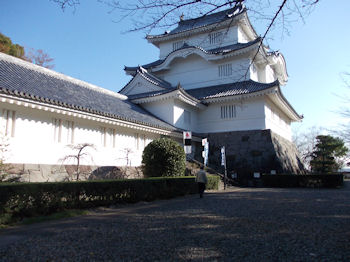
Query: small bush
[{"x": 163, "y": 158}]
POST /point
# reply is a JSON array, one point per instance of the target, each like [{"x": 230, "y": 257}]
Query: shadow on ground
[{"x": 242, "y": 224}]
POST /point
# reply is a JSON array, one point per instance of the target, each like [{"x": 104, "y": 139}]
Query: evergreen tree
[
  {"x": 7, "y": 47},
  {"x": 326, "y": 154}
]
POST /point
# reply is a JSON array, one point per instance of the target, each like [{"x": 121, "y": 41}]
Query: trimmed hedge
[
  {"x": 21, "y": 200},
  {"x": 313, "y": 181}
]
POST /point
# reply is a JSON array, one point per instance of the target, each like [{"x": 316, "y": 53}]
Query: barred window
[
  {"x": 228, "y": 111},
  {"x": 225, "y": 70},
  {"x": 215, "y": 38}
]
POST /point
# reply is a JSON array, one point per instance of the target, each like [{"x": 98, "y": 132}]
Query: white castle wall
[
  {"x": 202, "y": 40},
  {"x": 163, "y": 109},
  {"x": 179, "y": 116},
  {"x": 194, "y": 72},
  {"x": 277, "y": 121},
  {"x": 249, "y": 116}
]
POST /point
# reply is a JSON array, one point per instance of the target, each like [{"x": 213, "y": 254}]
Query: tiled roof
[
  {"x": 218, "y": 50},
  {"x": 186, "y": 25},
  {"x": 238, "y": 88},
  {"x": 158, "y": 81},
  {"x": 149, "y": 77},
  {"x": 23, "y": 79},
  {"x": 234, "y": 47}
]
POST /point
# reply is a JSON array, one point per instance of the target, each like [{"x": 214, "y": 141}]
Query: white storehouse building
[{"x": 214, "y": 77}]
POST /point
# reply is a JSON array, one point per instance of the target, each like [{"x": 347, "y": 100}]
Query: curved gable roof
[{"x": 215, "y": 51}]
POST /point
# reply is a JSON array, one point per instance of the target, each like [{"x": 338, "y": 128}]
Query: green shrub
[
  {"x": 163, "y": 158},
  {"x": 213, "y": 182}
]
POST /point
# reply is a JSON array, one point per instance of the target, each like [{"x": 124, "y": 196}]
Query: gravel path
[{"x": 246, "y": 224}]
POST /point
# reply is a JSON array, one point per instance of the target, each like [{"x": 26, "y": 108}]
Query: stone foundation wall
[
  {"x": 57, "y": 173},
  {"x": 253, "y": 151}
]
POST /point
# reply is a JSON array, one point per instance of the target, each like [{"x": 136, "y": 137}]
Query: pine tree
[{"x": 326, "y": 154}]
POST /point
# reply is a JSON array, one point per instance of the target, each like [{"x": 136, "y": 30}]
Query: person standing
[{"x": 201, "y": 179}]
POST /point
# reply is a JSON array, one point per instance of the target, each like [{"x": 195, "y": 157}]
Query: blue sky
[{"x": 88, "y": 45}]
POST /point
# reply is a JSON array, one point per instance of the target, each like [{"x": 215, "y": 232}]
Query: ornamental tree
[
  {"x": 163, "y": 158},
  {"x": 327, "y": 154}
]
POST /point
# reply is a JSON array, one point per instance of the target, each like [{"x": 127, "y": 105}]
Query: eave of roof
[
  {"x": 231, "y": 89},
  {"x": 178, "y": 93}
]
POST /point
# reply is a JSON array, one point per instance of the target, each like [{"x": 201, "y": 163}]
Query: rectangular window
[
  {"x": 187, "y": 117},
  {"x": 225, "y": 70},
  {"x": 228, "y": 111},
  {"x": 9, "y": 122},
  {"x": 216, "y": 38},
  {"x": 178, "y": 45}
]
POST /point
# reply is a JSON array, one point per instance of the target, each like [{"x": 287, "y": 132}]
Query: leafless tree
[
  {"x": 154, "y": 15},
  {"x": 39, "y": 57},
  {"x": 127, "y": 152},
  {"x": 344, "y": 128},
  {"x": 149, "y": 15},
  {"x": 305, "y": 143},
  {"x": 4, "y": 149},
  {"x": 78, "y": 156}
]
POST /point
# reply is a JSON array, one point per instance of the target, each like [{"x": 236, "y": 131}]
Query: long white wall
[
  {"x": 42, "y": 137},
  {"x": 194, "y": 71}
]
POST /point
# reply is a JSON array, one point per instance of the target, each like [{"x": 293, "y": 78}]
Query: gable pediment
[{"x": 144, "y": 83}]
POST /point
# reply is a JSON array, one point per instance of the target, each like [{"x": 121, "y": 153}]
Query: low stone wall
[
  {"x": 253, "y": 151},
  {"x": 56, "y": 173}
]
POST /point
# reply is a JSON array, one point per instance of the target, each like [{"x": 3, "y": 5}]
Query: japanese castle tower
[
  {"x": 216, "y": 78},
  {"x": 213, "y": 77}
]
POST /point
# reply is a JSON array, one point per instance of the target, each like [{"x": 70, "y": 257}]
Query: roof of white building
[
  {"x": 232, "y": 89},
  {"x": 215, "y": 51},
  {"x": 22, "y": 79},
  {"x": 201, "y": 22}
]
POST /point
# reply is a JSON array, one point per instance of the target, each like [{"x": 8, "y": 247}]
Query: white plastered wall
[
  {"x": 277, "y": 121},
  {"x": 163, "y": 109},
  {"x": 194, "y": 72},
  {"x": 202, "y": 40},
  {"x": 34, "y": 139},
  {"x": 249, "y": 116},
  {"x": 179, "y": 116}
]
